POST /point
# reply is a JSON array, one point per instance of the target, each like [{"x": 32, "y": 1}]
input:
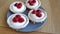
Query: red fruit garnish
[
  {"x": 15, "y": 4},
  {"x": 18, "y": 5},
  {"x": 33, "y": 12},
  {"x": 21, "y": 20},
  {"x": 32, "y": 2},
  {"x": 15, "y": 20},
  {"x": 18, "y": 18},
  {"x": 37, "y": 13}
]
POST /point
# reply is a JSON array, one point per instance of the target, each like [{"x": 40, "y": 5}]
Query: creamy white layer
[
  {"x": 15, "y": 9},
  {"x": 34, "y": 18},
  {"x": 17, "y": 25},
  {"x": 35, "y": 6}
]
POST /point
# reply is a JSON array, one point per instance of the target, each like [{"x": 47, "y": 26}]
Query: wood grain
[
  {"x": 4, "y": 30},
  {"x": 55, "y": 5}
]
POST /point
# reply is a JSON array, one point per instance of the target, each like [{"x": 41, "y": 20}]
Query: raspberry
[
  {"x": 18, "y": 16},
  {"x": 18, "y": 5},
  {"x": 21, "y": 20},
  {"x": 37, "y": 13},
  {"x": 33, "y": 12},
  {"x": 31, "y": 2},
  {"x": 15, "y": 20}
]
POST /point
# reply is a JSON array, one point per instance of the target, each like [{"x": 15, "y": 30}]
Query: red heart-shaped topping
[
  {"x": 33, "y": 12},
  {"x": 18, "y": 18},
  {"x": 32, "y": 2},
  {"x": 18, "y": 5},
  {"x": 37, "y": 13},
  {"x": 15, "y": 20}
]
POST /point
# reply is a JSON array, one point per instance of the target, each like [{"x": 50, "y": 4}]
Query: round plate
[{"x": 30, "y": 27}]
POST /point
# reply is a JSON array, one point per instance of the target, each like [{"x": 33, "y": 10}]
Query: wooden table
[{"x": 52, "y": 25}]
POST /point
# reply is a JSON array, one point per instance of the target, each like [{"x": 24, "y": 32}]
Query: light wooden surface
[
  {"x": 4, "y": 30},
  {"x": 55, "y": 5},
  {"x": 53, "y": 20}
]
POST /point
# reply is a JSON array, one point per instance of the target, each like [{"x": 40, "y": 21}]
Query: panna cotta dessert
[
  {"x": 17, "y": 21},
  {"x": 33, "y": 4},
  {"x": 37, "y": 16},
  {"x": 17, "y": 7}
]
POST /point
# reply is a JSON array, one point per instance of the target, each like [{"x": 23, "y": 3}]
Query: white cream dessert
[
  {"x": 33, "y": 4},
  {"x": 37, "y": 15},
  {"x": 17, "y": 7},
  {"x": 18, "y": 21}
]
